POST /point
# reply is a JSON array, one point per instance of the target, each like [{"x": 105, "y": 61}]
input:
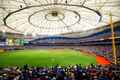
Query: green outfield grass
[{"x": 50, "y": 57}]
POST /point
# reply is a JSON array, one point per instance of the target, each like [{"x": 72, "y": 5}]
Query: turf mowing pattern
[{"x": 50, "y": 57}]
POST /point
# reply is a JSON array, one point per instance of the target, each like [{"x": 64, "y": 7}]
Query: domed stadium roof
[{"x": 53, "y": 17}]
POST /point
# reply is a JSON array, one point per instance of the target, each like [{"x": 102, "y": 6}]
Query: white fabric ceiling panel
[{"x": 54, "y": 17}]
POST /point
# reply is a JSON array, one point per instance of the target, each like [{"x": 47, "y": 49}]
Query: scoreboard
[{"x": 15, "y": 41}]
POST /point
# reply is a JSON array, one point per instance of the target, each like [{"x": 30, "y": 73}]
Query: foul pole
[{"x": 113, "y": 40}]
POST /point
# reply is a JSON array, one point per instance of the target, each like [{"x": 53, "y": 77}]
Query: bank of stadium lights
[
  {"x": 4, "y": 31},
  {"x": 34, "y": 34},
  {"x": 25, "y": 34}
]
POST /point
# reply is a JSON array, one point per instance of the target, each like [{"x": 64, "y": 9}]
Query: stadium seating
[{"x": 76, "y": 72}]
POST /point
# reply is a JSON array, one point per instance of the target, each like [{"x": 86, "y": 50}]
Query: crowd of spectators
[
  {"x": 76, "y": 72},
  {"x": 105, "y": 51}
]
